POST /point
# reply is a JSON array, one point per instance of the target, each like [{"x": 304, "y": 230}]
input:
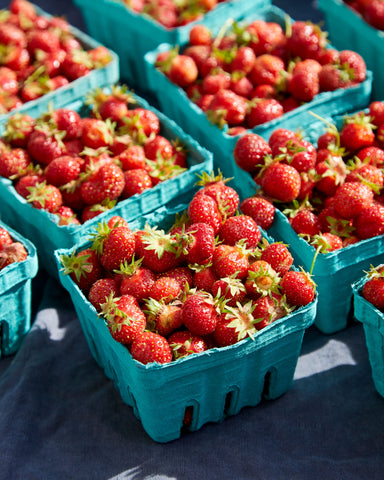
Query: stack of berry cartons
[
  {"x": 18, "y": 266},
  {"x": 361, "y": 30},
  {"x": 246, "y": 76},
  {"x": 72, "y": 167},
  {"x": 368, "y": 305},
  {"x": 327, "y": 188},
  {"x": 46, "y": 61},
  {"x": 132, "y": 29},
  {"x": 205, "y": 327}
]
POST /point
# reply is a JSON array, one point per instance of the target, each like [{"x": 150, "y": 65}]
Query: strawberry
[
  {"x": 234, "y": 325},
  {"x": 298, "y": 288},
  {"x": 230, "y": 290},
  {"x": 327, "y": 242},
  {"x": 215, "y": 81},
  {"x": 23, "y": 184},
  {"x": 182, "y": 70},
  {"x": 199, "y": 314},
  {"x": 227, "y": 108},
  {"x": 333, "y": 76},
  {"x": 204, "y": 277},
  {"x": 300, "y": 154},
  {"x": 125, "y": 319},
  {"x": 62, "y": 170},
  {"x": 240, "y": 227},
  {"x": 136, "y": 181},
  {"x": 278, "y": 256},
  {"x": 12, "y": 35},
  {"x": 260, "y": 209},
  {"x": 5, "y": 238},
  {"x": 230, "y": 261},
  {"x": 373, "y": 155},
  {"x": 370, "y": 222},
  {"x": 266, "y": 36},
  {"x": 374, "y": 14},
  {"x": 44, "y": 146},
  {"x": 279, "y": 138},
  {"x": 15, "y": 252},
  {"x": 105, "y": 182},
  {"x": 200, "y": 35},
  {"x": 83, "y": 267},
  {"x": 261, "y": 279},
  {"x": 373, "y": 288},
  {"x": 331, "y": 172},
  {"x": 183, "y": 275},
  {"x": 304, "y": 83},
  {"x": 305, "y": 222},
  {"x": 250, "y": 151},
  {"x": 370, "y": 175},
  {"x": 263, "y": 110},
  {"x": 306, "y": 40},
  {"x": 165, "y": 317},
  {"x": 352, "y": 198},
  {"x": 165, "y": 289},
  {"x": 267, "y": 70},
  {"x": 69, "y": 121},
  {"x": 197, "y": 243},
  {"x": 357, "y": 133},
  {"x": 158, "y": 145},
  {"x": 101, "y": 290},
  {"x": 45, "y": 196},
  {"x": 204, "y": 209},
  {"x": 281, "y": 182},
  {"x": 356, "y": 64},
  {"x": 376, "y": 112},
  {"x": 184, "y": 343},
  {"x": 132, "y": 157},
  {"x": 18, "y": 129},
  {"x": 14, "y": 163},
  {"x": 215, "y": 186},
  {"x": 115, "y": 246},
  {"x": 96, "y": 133},
  {"x": 142, "y": 120}
]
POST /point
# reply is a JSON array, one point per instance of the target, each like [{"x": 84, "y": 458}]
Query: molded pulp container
[
  {"x": 15, "y": 296},
  {"x": 131, "y": 35},
  {"x": 76, "y": 89},
  {"x": 348, "y": 30},
  {"x": 333, "y": 272},
  {"x": 373, "y": 323},
  {"x": 216, "y": 383},
  {"x": 42, "y": 227},
  {"x": 174, "y": 102}
]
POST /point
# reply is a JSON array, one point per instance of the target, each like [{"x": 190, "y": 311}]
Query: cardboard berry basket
[
  {"x": 348, "y": 30},
  {"x": 99, "y": 77},
  {"x": 42, "y": 228},
  {"x": 131, "y": 35},
  {"x": 373, "y": 323},
  {"x": 174, "y": 102},
  {"x": 15, "y": 296},
  {"x": 216, "y": 383}
]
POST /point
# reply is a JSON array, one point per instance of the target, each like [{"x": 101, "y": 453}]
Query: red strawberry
[
  {"x": 230, "y": 261},
  {"x": 23, "y": 184},
  {"x": 240, "y": 227},
  {"x": 352, "y": 198},
  {"x": 306, "y": 40},
  {"x": 281, "y": 182},
  {"x": 165, "y": 289},
  {"x": 268, "y": 309},
  {"x": 46, "y": 197},
  {"x": 182, "y": 70},
  {"x": 200, "y": 35},
  {"x": 15, "y": 252},
  {"x": 376, "y": 112},
  {"x": 263, "y": 110},
  {"x": 305, "y": 222},
  {"x": 62, "y": 170},
  {"x": 260, "y": 209},
  {"x": 105, "y": 182},
  {"x": 116, "y": 248},
  {"x": 266, "y": 36},
  {"x": 125, "y": 319},
  {"x": 137, "y": 281},
  {"x": 69, "y": 121},
  {"x": 261, "y": 279},
  {"x": 250, "y": 151},
  {"x": 101, "y": 290},
  {"x": 132, "y": 157},
  {"x": 142, "y": 120},
  {"x": 278, "y": 256},
  {"x": 136, "y": 181},
  {"x": 298, "y": 288},
  {"x": 204, "y": 209},
  {"x": 304, "y": 83},
  {"x": 18, "y": 129},
  {"x": 231, "y": 290},
  {"x": 370, "y": 222},
  {"x": 204, "y": 278},
  {"x": 215, "y": 81},
  {"x": 373, "y": 288},
  {"x": 44, "y": 147},
  {"x": 267, "y": 70},
  {"x": 368, "y": 174},
  {"x": 357, "y": 133},
  {"x": 165, "y": 317},
  {"x": 184, "y": 343},
  {"x": 215, "y": 186},
  {"x": 96, "y": 133},
  {"x": 14, "y": 163},
  {"x": 199, "y": 314},
  {"x": 5, "y": 238},
  {"x": 83, "y": 267},
  {"x": 356, "y": 64},
  {"x": 327, "y": 242},
  {"x": 235, "y": 325},
  {"x": 372, "y": 155},
  {"x": 279, "y": 138},
  {"x": 227, "y": 108},
  {"x": 197, "y": 243}
]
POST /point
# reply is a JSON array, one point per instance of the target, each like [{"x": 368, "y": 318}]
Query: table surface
[{"x": 61, "y": 418}]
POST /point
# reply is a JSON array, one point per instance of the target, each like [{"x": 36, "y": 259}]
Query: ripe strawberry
[
  {"x": 18, "y": 129},
  {"x": 278, "y": 256},
  {"x": 12, "y": 35},
  {"x": 200, "y": 35},
  {"x": 69, "y": 121},
  {"x": 197, "y": 243},
  {"x": 230, "y": 290},
  {"x": 334, "y": 76},
  {"x": 184, "y": 343},
  {"x": 243, "y": 61},
  {"x": 182, "y": 70},
  {"x": 215, "y": 186},
  {"x": 368, "y": 174},
  {"x": 23, "y": 184},
  {"x": 373, "y": 288},
  {"x": 183, "y": 275},
  {"x": 261, "y": 279},
  {"x": 279, "y": 138},
  {"x": 215, "y": 81},
  {"x": 199, "y": 314},
  {"x": 235, "y": 325},
  {"x": 306, "y": 40},
  {"x": 165, "y": 289},
  {"x": 15, "y": 252},
  {"x": 266, "y": 36},
  {"x": 370, "y": 222},
  {"x": 298, "y": 288},
  {"x": 327, "y": 242},
  {"x": 46, "y": 197},
  {"x": 304, "y": 83},
  {"x": 373, "y": 155},
  {"x": 14, "y": 163},
  {"x": 5, "y": 238},
  {"x": 263, "y": 110},
  {"x": 105, "y": 182},
  {"x": 125, "y": 319},
  {"x": 250, "y": 151},
  {"x": 376, "y": 112},
  {"x": 117, "y": 247},
  {"x": 331, "y": 172},
  {"x": 165, "y": 317},
  {"x": 141, "y": 120},
  {"x": 352, "y": 198},
  {"x": 96, "y": 133},
  {"x": 44, "y": 147},
  {"x": 101, "y": 290},
  {"x": 355, "y": 63},
  {"x": 240, "y": 227},
  {"x": 158, "y": 145},
  {"x": 204, "y": 277},
  {"x": 136, "y": 280},
  {"x": 204, "y": 209},
  {"x": 83, "y": 267},
  {"x": 136, "y": 181},
  {"x": 62, "y": 170},
  {"x": 281, "y": 182},
  {"x": 300, "y": 154},
  {"x": 230, "y": 261},
  {"x": 267, "y": 70},
  {"x": 260, "y": 209},
  {"x": 357, "y": 133},
  {"x": 132, "y": 157},
  {"x": 227, "y": 108},
  {"x": 305, "y": 222},
  {"x": 268, "y": 309}
]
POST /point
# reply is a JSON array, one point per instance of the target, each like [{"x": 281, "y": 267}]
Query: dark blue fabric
[{"x": 61, "y": 418}]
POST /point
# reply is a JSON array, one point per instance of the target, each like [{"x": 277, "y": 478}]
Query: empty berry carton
[
  {"x": 131, "y": 34},
  {"x": 201, "y": 387},
  {"x": 373, "y": 322},
  {"x": 19, "y": 265},
  {"x": 348, "y": 30},
  {"x": 47, "y": 228},
  {"x": 44, "y": 68},
  {"x": 176, "y": 101}
]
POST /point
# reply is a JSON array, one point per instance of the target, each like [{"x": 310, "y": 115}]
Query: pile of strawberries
[
  {"x": 11, "y": 251},
  {"x": 39, "y": 54},
  {"x": 172, "y": 13},
  {"x": 210, "y": 280},
  {"x": 333, "y": 193},
  {"x": 372, "y": 11},
  {"x": 79, "y": 166},
  {"x": 252, "y": 73},
  {"x": 373, "y": 288}
]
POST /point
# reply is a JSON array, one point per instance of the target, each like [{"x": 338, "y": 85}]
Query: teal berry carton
[
  {"x": 132, "y": 34},
  {"x": 99, "y": 77},
  {"x": 42, "y": 227},
  {"x": 15, "y": 298},
  {"x": 213, "y": 384},
  {"x": 373, "y": 324},
  {"x": 174, "y": 102},
  {"x": 348, "y": 30}
]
